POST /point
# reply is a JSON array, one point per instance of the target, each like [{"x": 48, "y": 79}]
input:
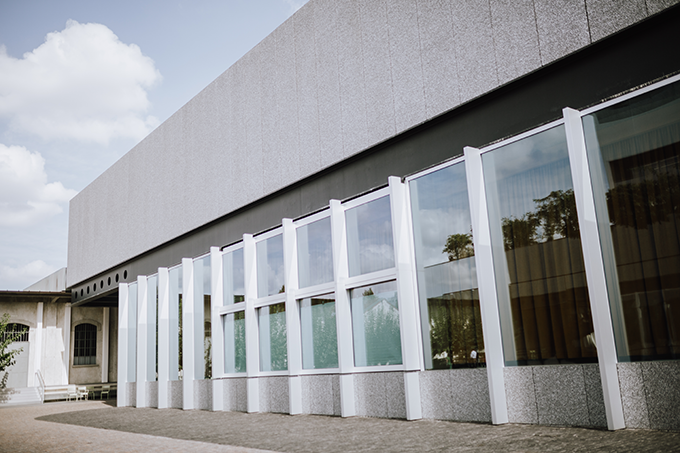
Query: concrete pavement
[{"x": 95, "y": 426}]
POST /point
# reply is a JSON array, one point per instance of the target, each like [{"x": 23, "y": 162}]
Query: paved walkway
[{"x": 97, "y": 427}]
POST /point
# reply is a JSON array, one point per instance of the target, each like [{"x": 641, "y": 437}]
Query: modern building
[{"x": 416, "y": 209}]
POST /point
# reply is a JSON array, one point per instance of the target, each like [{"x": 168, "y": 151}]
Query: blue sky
[{"x": 81, "y": 82}]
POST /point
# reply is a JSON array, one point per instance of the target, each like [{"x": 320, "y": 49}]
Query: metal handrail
[{"x": 41, "y": 385}]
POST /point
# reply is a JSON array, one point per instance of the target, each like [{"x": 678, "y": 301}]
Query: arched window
[
  {"x": 14, "y": 329},
  {"x": 85, "y": 347}
]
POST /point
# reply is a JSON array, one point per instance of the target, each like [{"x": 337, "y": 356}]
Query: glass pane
[
  {"x": 542, "y": 292},
  {"x": 369, "y": 237},
  {"x": 273, "y": 343},
  {"x": 319, "y": 339},
  {"x": 235, "y": 342},
  {"x": 270, "y": 276},
  {"x": 234, "y": 277},
  {"x": 202, "y": 312},
  {"x": 175, "y": 345},
  {"x": 375, "y": 325},
  {"x": 315, "y": 258},
  {"x": 132, "y": 332},
  {"x": 634, "y": 155},
  {"x": 152, "y": 291},
  {"x": 447, "y": 276}
]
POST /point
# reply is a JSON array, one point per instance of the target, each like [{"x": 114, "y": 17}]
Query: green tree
[
  {"x": 459, "y": 246},
  {"x": 7, "y": 356}
]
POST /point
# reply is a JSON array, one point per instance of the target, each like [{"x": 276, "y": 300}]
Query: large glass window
[
  {"x": 543, "y": 297},
  {"x": 152, "y": 299},
  {"x": 234, "y": 342},
  {"x": 202, "y": 294},
  {"x": 369, "y": 237},
  {"x": 634, "y": 155},
  {"x": 447, "y": 276},
  {"x": 175, "y": 345},
  {"x": 85, "y": 345},
  {"x": 270, "y": 276},
  {"x": 319, "y": 338},
  {"x": 234, "y": 277},
  {"x": 273, "y": 338},
  {"x": 375, "y": 325},
  {"x": 315, "y": 257}
]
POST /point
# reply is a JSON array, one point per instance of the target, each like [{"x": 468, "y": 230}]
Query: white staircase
[{"x": 20, "y": 396}]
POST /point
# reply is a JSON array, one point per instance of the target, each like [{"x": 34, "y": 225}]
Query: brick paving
[{"x": 95, "y": 426}]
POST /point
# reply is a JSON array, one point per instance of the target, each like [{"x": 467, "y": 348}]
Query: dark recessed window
[
  {"x": 101, "y": 284},
  {"x": 85, "y": 345},
  {"x": 94, "y": 287},
  {"x": 12, "y": 329},
  {"x": 88, "y": 290},
  {"x": 116, "y": 278},
  {"x": 109, "y": 281},
  {"x": 125, "y": 275},
  {"x": 81, "y": 292}
]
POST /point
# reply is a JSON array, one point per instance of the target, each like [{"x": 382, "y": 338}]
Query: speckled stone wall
[
  {"x": 274, "y": 394},
  {"x": 555, "y": 395},
  {"x": 336, "y": 78},
  {"x": 152, "y": 394},
  {"x": 321, "y": 394},
  {"x": 175, "y": 394},
  {"x": 131, "y": 395},
  {"x": 460, "y": 395},
  {"x": 380, "y": 395},
  {"x": 203, "y": 394},
  {"x": 235, "y": 394},
  {"x": 650, "y": 393}
]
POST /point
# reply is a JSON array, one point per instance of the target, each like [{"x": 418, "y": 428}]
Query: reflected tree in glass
[
  {"x": 319, "y": 338},
  {"x": 538, "y": 261},
  {"x": 634, "y": 156},
  {"x": 235, "y": 342},
  {"x": 447, "y": 278},
  {"x": 273, "y": 338},
  {"x": 375, "y": 325}
]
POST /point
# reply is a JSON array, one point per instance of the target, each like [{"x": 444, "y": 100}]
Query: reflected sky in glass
[{"x": 315, "y": 256}]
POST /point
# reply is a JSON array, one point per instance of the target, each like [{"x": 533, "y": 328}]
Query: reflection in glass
[
  {"x": 319, "y": 339},
  {"x": 234, "y": 342},
  {"x": 375, "y": 325},
  {"x": 273, "y": 343},
  {"x": 202, "y": 312},
  {"x": 132, "y": 332},
  {"x": 634, "y": 155},
  {"x": 234, "y": 277},
  {"x": 447, "y": 277},
  {"x": 369, "y": 237},
  {"x": 175, "y": 299},
  {"x": 152, "y": 298},
  {"x": 315, "y": 258},
  {"x": 543, "y": 297},
  {"x": 270, "y": 276}
]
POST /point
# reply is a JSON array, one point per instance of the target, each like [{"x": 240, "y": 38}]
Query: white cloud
[
  {"x": 22, "y": 276},
  {"x": 82, "y": 83},
  {"x": 26, "y": 197}
]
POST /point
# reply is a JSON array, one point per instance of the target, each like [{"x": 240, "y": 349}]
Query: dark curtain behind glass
[{"x": 639, "y": 144}]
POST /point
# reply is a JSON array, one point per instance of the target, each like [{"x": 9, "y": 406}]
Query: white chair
[
  {"x": 82, "y": 392},
  {"x": 71, "y": 392}
]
